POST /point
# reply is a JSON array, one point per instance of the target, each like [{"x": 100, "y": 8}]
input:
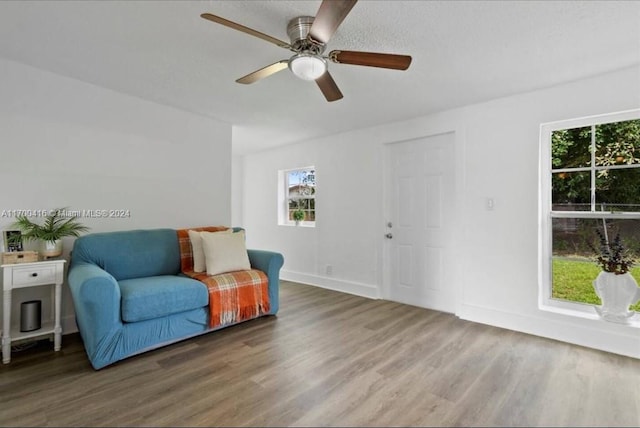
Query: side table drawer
[{"x": 33, "y": 276}]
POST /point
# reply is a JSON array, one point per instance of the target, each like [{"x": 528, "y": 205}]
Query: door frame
[{"x": 458, "y": 232}]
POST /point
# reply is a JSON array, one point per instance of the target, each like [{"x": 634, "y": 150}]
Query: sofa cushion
[
  {"x": 197, "y": 251},
  {"x": 158, "y": 296},
  {"x": 130, "y": 254},
  {"x": 199, "y": 261},
  {"x": 184, "y": 245},
  {"x": 225, "y": 252}
]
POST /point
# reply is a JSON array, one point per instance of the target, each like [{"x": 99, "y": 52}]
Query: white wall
[
  {"x": 348, "y": 212},
  {"x": 237, "y": 189},
  {"x": 64, "y": 142},
  {"x": 497, "y": 146}
]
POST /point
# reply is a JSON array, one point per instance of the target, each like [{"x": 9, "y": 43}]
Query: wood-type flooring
[{"x": 329, "y": 359}]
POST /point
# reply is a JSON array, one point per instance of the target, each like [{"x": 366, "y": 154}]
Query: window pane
[
  {"x": 571, "y": 191},
  {"x": 573, "y": 262},
  {"x": 618, "y": 143},
  {"x": 618, "y": 190},
  {"x": 301, "y": 193},
  {"x": 570, "y": 148}
]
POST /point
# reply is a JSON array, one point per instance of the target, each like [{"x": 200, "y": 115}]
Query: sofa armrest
[
  {"x": 96, "y": 300},
  {"x": 270, "y": 263}
]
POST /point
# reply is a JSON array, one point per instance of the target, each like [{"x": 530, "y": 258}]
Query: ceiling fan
[{"x": 309, "y": 37}]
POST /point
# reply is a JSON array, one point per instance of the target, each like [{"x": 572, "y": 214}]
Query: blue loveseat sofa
[{"x": 130, "y": 296}]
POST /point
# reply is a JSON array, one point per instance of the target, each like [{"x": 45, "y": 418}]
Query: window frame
[
  {"x": 546, "y": 213},
  {"x": 283, "y": 192}
]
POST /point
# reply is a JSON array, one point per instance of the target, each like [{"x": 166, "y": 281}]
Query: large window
[
  {"x": 299, "y": 188},
  {"x": 590, "y": 184}
]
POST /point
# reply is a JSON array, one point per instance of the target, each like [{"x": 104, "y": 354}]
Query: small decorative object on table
[
  {"x": 614, "y": 285},
  {"x": 19, "y": 257},
  {"x": 12, "y": 240},
  {"x": 57, "y": 224}
]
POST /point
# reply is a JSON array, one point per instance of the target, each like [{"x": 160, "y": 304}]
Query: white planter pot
[
  {"x": 617, "y": 293},
  {"x": 51, "y": 248}
]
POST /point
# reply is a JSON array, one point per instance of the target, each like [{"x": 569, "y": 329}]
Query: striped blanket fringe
[{"x": 233, "y": 296}]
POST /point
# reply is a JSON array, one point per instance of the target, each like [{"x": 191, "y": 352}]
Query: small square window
[{"x": 299, "y": 202}]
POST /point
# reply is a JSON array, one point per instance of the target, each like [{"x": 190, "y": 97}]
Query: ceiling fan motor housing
[{"x": 298, "y": 29}]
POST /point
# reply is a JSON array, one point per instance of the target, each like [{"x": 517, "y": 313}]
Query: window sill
[
  {"x": 305, "y": 225},
  {"x": 585, "y": 311}
]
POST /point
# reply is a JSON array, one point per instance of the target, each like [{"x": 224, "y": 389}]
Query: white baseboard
[
  {"x": 595, "y": 333},
  {"x": 351, "y": 287}
]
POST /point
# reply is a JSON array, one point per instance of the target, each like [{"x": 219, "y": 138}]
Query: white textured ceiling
[{"x": 463, "y": 52}]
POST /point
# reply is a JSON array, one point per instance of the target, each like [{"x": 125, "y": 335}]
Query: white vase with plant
[
  {"x": 298, "y": 216},
  {"x": 615, "y": 286},
  {"x": 56, "y": 225}
]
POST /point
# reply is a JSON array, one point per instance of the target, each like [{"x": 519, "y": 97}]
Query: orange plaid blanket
[{"x": 233, "y": 296}]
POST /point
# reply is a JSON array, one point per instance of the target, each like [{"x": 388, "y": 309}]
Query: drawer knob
[{"x": 34, "y": 274}]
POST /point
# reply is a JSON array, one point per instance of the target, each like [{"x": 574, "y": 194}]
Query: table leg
[
  {"x": 57, "y": 328},
  {"x": 6, "y": 328}
]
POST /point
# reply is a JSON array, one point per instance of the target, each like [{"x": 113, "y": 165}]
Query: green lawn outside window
[{"x": 573, "y": 280}]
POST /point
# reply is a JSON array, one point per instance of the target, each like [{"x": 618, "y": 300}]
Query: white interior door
[{"x": 420, "y": 184}]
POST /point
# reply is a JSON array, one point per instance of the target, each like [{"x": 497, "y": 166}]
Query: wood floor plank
[{"x": 329, "y": 359}]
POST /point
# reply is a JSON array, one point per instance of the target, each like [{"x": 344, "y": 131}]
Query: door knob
[{"x": 388, "y": 236}]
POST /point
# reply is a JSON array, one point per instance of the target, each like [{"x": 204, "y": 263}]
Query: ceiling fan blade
[
  {"x": 328, "y": 87},
  {"x": 246, "y": 30},
  {"x": 329, "y": 17},
  {"x": 371, "y": 59},
  {"x": 264, "y": 72}
]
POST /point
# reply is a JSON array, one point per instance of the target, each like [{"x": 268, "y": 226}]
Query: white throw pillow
[
  {"x": 199, "y": 261},
  {"x": 225, "y": 252}
]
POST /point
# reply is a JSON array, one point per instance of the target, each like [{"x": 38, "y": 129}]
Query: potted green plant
[
  {"x": 298, "y": 215},
  {"x": 56, "y": 225},
  {"x": 615, "y": 286}
]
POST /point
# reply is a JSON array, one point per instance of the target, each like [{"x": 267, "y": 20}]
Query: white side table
[{"x": 35, "y": 274}]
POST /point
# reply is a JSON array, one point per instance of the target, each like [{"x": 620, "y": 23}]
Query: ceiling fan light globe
[{"x": 307, "y": 67}]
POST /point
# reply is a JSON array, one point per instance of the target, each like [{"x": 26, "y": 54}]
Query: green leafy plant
[
  {"x": 298, "y": 215},
  {"x": 56, "y": 225},
  {"x": 612, "y": 256}
]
